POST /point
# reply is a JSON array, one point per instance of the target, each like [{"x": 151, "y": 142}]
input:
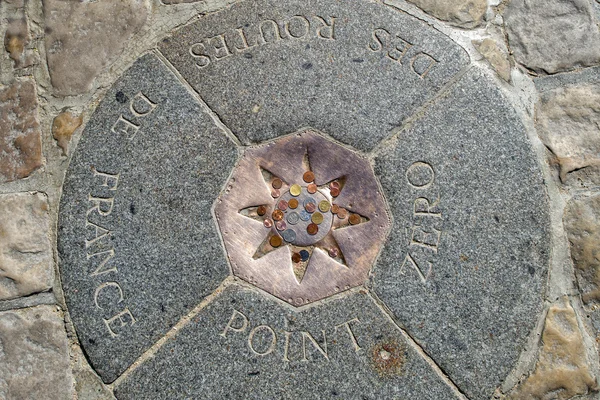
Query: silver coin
[
  {"x": 293, "y": 218},
  {"x": 304, "y": 216},
  {"x": 289, "y": 236}
]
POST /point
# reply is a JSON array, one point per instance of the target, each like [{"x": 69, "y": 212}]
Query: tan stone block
[
  {"x": 562, "y": 370},
  {"x": 568, "y": 122},
  {"x": 83, "y": 38},
  {"x": 582, "y": 223},
  {"x": 497, "y": 58},
  {"x": 34, "y": 357},
  {"x": 462, "y": 13},
  {"x": 25, "y": 252},
  {"x": 63, "y": 127},
  {"x": 20, "y": 135}
]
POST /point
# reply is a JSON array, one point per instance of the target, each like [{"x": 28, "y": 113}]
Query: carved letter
[
  {"x": 422, "y": 63},
  {"x": 97, "y": 205},
  {"x": 124, "y": 317},
  {"x": 327, "y": 31},
  {"x": 275, "y": 34},
  {"x": 303, "y": 27},
  {"x": 104, "y": 286},
  {"x": 273, "y": 340},
  {"x": 350, "y": 333},
  {"x": 380, "y": 40},
  {"x": 416, "y": 267},
  {"x": 306, "y": 335},
  {"x": 230, "y": 326},
  {"x": 125, "y": 127},
  {"x": 244, "y": 40},
  {"x": 101, "y": 268},
  {"x": 100, "y": 233},
  {"x": 287, "y": 345},
  {"x": 397, "y": 53},
  {"x": 420, "y": 175},
  {"x": 424, "y": 208},
  {"x": 429, "y": 240},
  {"x": 198, "y": 51},
  {"x": 110, "y": 181},
  {"x": 221, "y": 50},
  {"x": 140, "y": 105}
]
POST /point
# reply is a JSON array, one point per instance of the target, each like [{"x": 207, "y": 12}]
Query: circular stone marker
[{"x": 180, "y": 286}]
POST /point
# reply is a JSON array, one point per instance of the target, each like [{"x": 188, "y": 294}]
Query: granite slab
[
  {"x": 137, "y": 242},
  {"x": 465, "y": 267},
  {"x": 248, "y": 346},
  {"x": 268, "y": 67}
]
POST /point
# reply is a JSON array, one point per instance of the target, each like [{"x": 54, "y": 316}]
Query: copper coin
[
  {"x": 277, "y": 183},
  {"x": 268, "y": 223},
  {"x": 281, "y": 225},
  {"x": 354, "y": 219},
  {"x": 312, "y": 229},
  {"x": 317, "y": 218},
  {"x": 275, "y": 193},
  {"x": 312, "y": 188},
  {"x": 282, "y": 205},
  {"x": 334, "y": 192},
  {"x": 275, "y": 241},
  {"x": 277, "y": 215},
  {"x": 295, "y": 190},
  {"x": 261, "y": 210},
  {"x": 310, "y": 207},
  {"x": 334, "y": 185},
  {"x": 333, "y": 252},
  {"x": 342, "y": 213},
  {"x": 296, "y": 258},
  {"x": 335, "y": 209},
  {"x": 293, "y": 203},
  {"x": 308, "y": 177}
]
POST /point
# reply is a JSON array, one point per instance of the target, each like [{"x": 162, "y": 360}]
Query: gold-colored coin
[
  {"x": 277, "y": 183},
  {"x": 317, "y": 218},
  {"x": 308, "y": 177},
  {"x": 261, "y": 210},
  {"x": 312, "y": 229},
  {"x": 295, "y": 190},
  {"x": 312, "y": 188},
  {"x": 293, "y": 204},
  {"x": 354, "y": 219},
  {"x": 277, "y": 215},
  {"x": 324, "y": 206},
  {"x": 275, "y": 241}
]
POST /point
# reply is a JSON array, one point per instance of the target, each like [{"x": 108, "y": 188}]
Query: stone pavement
[{"x": 299, "y": 200}]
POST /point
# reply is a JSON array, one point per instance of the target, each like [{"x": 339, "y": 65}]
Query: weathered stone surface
[
  {"x": 549, "y": 36},
  {"x": 568, "y": 122},
  {"x": 149, "y": 250},
  {"x": 25, "y": 250},
  {"x": 497, "y": 58},
  {"x": 20, "y": 136},
  {"x": 465, "y": 265},
  {"x": 582, "y": 223},
  {"x": 63, "y": 127},
  {"x": 16, "y": 39},
  {"x": 89, "y": 387},
  {"x": 367, "y": 358},
  {"x": 462, "y": 13},
  {"x": 34, "y": 357},
  {"x": 562, "y": 370},
  {"x": 356, "y": 80},
  {"x": 83, "y": 38}
]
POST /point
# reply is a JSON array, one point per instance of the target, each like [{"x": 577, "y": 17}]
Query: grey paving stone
[
  {"x": 365, "y": 357},
  {"x": 139, "y": 251},
  {"x": 356, "y": 80},
  {"x": 34, "y": 355},
  {"x": 464, "y": 269}
]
